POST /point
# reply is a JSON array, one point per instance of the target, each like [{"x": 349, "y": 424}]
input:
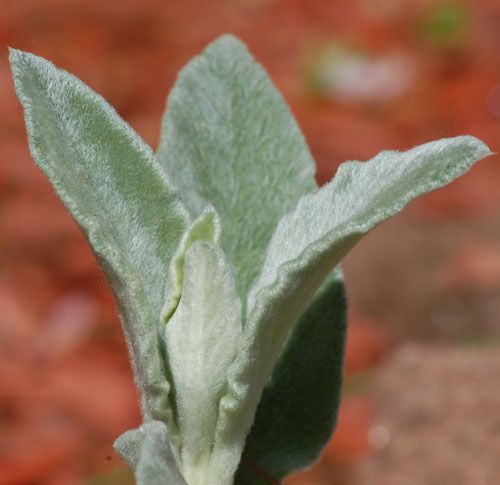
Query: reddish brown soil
[
  {"x": 436, "y": 418},
  {"x": 432, "y": 274}
]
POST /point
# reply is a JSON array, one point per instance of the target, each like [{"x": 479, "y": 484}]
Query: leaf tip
[
  {"x": 228, "y": 43},
  {"x": 18, "y": 57},
  {"x": 228, "y": 39},
  {"x": 24, "y": 66},
  {"x": 479, "y": 147},
  {"x": 14, "y": 54}
]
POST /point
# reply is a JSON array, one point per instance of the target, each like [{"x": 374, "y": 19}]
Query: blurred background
[{"x": 421, "y": 400}]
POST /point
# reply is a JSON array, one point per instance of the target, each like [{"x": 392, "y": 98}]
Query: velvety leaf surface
[
  {"x": 206, "y": 227},
  {"x": 298, "y": 410},
  {"x": 310, "y": 241},
  {"x": 201, "y": 341},
  {"x": 147, "y": 450},
  {"x": 229, "y": 139},
  {"x": 113, "y": 186}
]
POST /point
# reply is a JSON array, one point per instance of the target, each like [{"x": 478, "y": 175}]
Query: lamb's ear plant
[{"x": 223, "y": 255}]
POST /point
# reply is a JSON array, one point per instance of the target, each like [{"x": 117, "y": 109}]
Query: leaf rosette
[{"x": 223, "y": 255}]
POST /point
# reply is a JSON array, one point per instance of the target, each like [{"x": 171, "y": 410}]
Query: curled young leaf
[
  {"x": 201, "y": 340},
  {"x": 206, "y": 227}
]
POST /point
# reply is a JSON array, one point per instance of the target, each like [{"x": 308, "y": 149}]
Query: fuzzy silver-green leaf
[
  {"x": 148, "y": 452},
  {"x": 112, "y": 184},
  {"x": 201, "y": 341},
  {"x": 310, "y": 241},
  {"x": 230, "y": 140}
]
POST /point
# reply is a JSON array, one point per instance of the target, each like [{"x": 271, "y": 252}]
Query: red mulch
[{"x": 66, "y": 389}]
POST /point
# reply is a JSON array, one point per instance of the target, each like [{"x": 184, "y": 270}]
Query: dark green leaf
[{"x": 298, "y": 410}]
